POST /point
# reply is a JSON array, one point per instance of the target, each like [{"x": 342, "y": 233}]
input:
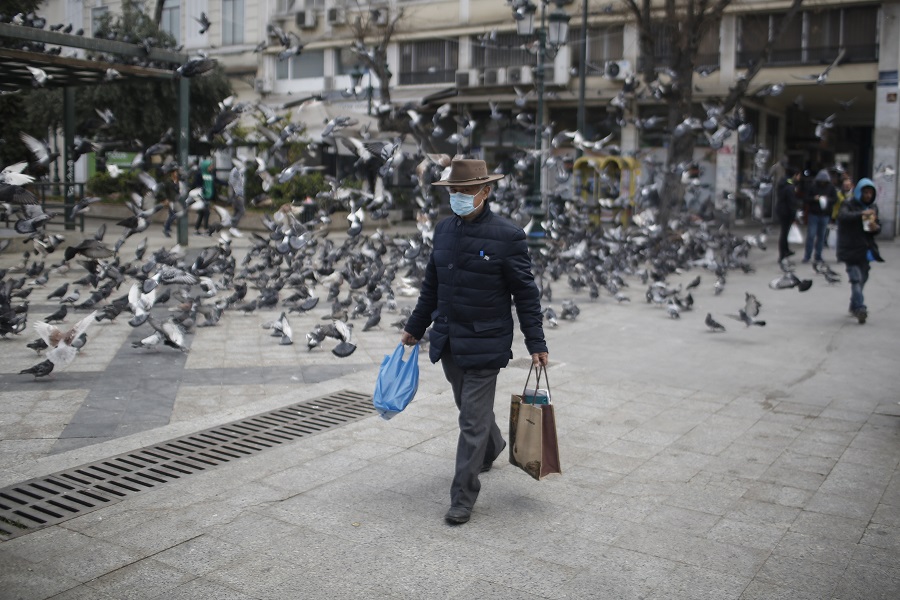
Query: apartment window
[
  {"x": 232, "y": 22},
  {"x": 432, "y": 61},
  {"x": 859, "y": 33},
  {"x": 664, "y": 35},
  {"x": 345, "y": 60},
  {"x": 603, "y": 44},
  {"x": 507, "y": 50},
  {"x": 97, "y": 18},
  {"x": 813, "y": 36},
  {"x": 285, "y": 6},
  {"x": 171, "y": 19},
  {"x": 308, "y": 64}
]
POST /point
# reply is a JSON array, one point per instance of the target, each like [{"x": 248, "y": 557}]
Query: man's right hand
[{"x": 407, "y": 339}]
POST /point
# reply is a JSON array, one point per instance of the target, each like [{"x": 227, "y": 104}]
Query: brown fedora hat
[{"x": 468, "y": 171}]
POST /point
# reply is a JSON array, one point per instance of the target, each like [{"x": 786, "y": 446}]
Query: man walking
[{"x": 478, "y": 264}]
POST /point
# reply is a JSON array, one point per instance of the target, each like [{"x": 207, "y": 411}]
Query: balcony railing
[
  {"x": 821, "y": 55},
  {"x": 701, "y": 60},
  {"x": 428, "y": 77}
]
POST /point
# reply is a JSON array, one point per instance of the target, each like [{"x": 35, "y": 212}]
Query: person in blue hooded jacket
[
  {"x": 858, "y": 225},
  {"x": 479, "y": 268}
]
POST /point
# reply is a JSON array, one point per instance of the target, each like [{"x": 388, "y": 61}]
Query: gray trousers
[{"x": 480, "y": 440}]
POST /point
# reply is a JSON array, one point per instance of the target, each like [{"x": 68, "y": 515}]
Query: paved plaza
[{"x": 755, "y": 463}]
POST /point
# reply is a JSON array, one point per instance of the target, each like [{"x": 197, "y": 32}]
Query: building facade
[{"x": 471, "y": 48}]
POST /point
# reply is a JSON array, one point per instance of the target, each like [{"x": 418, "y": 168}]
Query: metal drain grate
[{"x": 45, "y": 501}]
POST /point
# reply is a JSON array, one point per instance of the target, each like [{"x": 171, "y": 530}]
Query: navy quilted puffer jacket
[{"x": 476, "y": 268}]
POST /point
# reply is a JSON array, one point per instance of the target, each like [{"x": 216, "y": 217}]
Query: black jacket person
[
  {"x": 786, "y": 210},
  {"x": 858, "y": 225},
  {"x": 479, "y": 268}
]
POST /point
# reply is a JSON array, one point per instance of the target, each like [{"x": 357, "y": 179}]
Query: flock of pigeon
[
  {"x": 295, "y": 264},
  {"x": 297, "y": 268}
]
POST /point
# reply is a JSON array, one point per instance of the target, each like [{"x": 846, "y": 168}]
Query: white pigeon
[
  {"x": 13, "y": 175},
  {"x": 140, "y": 303}
]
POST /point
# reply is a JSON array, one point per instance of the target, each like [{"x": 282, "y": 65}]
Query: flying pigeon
[{"x": 204, "y": 23}]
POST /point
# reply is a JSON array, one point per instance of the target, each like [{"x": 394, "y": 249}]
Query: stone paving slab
[{"x": 758, "y": 463}]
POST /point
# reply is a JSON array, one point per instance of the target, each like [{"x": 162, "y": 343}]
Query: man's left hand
[{"x": 540, "y": 359}]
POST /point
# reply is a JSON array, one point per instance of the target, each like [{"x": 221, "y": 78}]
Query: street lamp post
[
  {"x": 582, "y": 72},
  {"x": 356, "y": 75},
  {"x": 549, "y": 37}
]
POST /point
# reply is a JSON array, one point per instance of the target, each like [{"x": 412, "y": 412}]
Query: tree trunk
[{"x": 157, "y": 13}]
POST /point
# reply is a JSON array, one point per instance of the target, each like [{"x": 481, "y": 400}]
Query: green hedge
[{"x": 104, "y": 185}]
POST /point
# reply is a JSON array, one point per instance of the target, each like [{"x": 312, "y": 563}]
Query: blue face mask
[{"x": 462, "y": 204}]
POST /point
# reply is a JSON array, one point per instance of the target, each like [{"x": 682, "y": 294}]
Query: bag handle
[{"x": 537, "y": 382}]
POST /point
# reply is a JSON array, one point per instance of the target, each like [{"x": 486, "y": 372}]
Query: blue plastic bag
[{"x": 397, "y": 382}]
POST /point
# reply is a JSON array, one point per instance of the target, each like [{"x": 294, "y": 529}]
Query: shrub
[{"x": 102, "y": 184}]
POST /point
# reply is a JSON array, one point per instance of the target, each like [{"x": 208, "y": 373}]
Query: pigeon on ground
[
  {"x": 59, "y": 315},
  {"x": 713, "y": 324},
  {"x": 42, "y": 369},
  {"x": 59, "y": 292}
]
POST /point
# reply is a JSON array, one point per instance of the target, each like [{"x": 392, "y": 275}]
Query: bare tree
[
  {"x": 688, "y": 21},
  {"x": 372, "y": 29}
]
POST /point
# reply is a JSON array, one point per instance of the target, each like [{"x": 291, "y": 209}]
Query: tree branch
[{"x": 761, "y": 59}]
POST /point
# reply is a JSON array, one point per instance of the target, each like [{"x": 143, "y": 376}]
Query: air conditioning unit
[
  {"x": 306, "y": 19},
  {"x": 336, "y": 16},
  {"x": 494, "y": 76},
  {"x": 519, "y": 75},
  {"x": 466, "y": 78},
  {"x": 379, "y": 15},
  {"x": 617, "y": 70}
]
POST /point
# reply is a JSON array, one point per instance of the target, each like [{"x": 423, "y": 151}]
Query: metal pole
[
  {"x": 582, "y": 75},
  {"x": 184, "y": 113},
  {"x": 369, "y": 92},
  {"x": 536, "y": 203},
  {"x": 68, "y": 158}
]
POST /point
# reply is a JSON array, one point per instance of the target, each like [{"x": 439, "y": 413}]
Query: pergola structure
[{"x": 70, "y": 73}]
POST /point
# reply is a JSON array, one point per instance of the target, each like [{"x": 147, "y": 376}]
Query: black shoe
[
  {"x": 862, "y": 315},
  {"x": 487, "y": 466},
  {"x": 457, "y": 515},
  {"x": 166, "y": 233},
  {"x": 791, "y": 253}
]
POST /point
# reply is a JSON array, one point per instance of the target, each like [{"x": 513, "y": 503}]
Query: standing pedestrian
[
  {"x": 821, "y": 200},
  {"x": 786, "y": 208},
  {"x": 479, "y": 263},
  {"x": 173, "y": 194},
  {"x": 206, "y": 181},
  {"x": 858, "y": 225},
  {"x": 236, "y": 180}
]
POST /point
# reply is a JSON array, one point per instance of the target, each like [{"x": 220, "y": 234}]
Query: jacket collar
[{"x": 481, "y": 216}]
